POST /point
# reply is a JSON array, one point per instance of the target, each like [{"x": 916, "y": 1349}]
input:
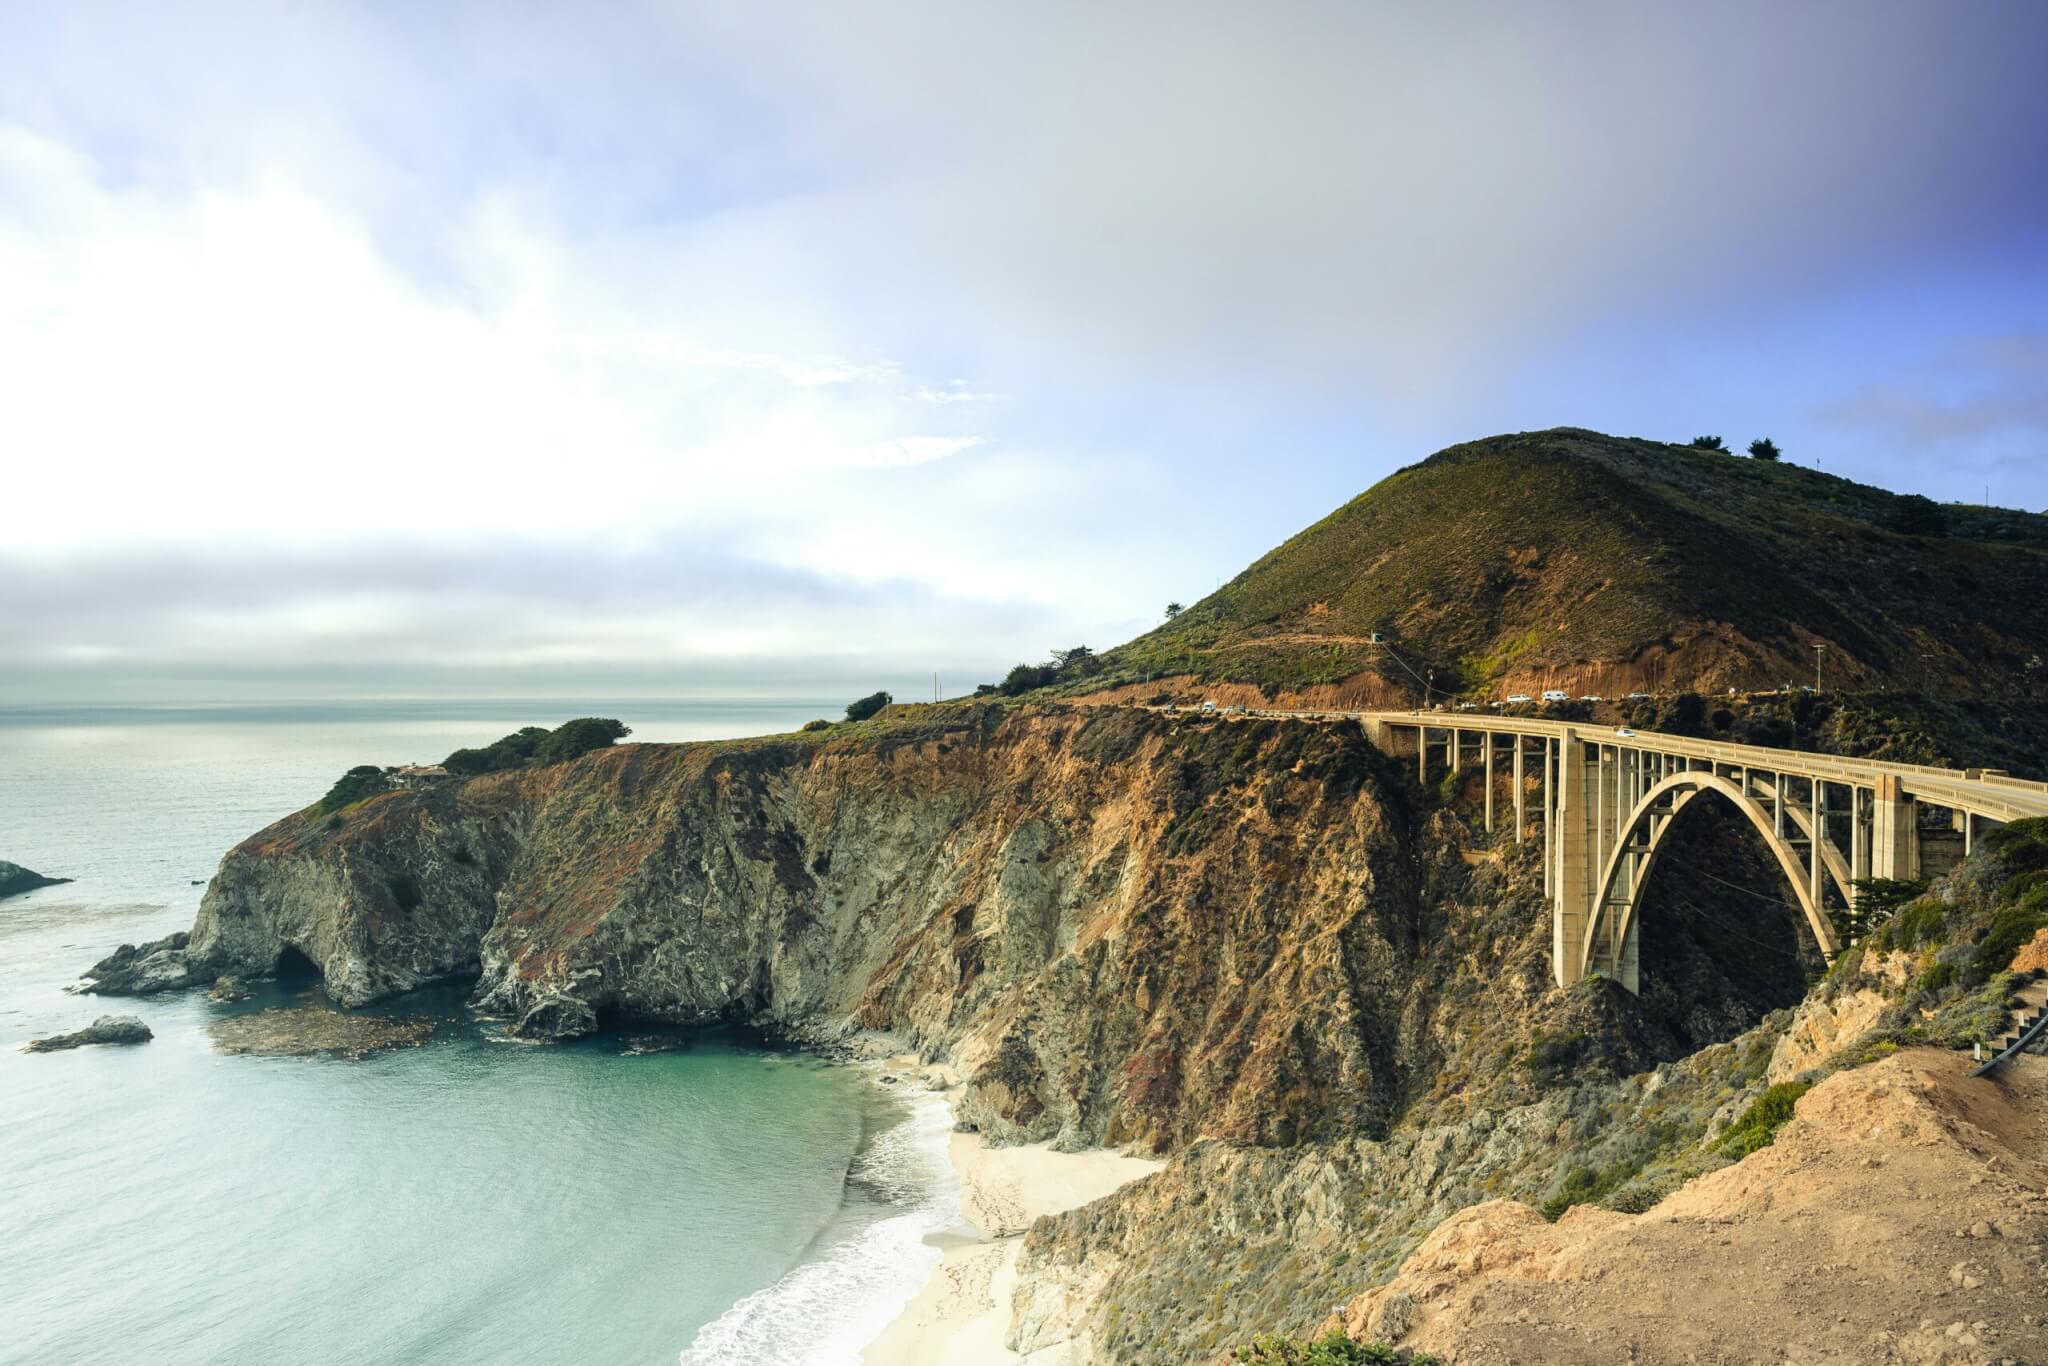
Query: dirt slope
[{"x": 1900, "y": 1216}]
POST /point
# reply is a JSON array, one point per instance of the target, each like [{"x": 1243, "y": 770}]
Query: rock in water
[
  {"x": 159, "y": 965},
  {"x": 228, "y": 987},
  {"x": 106, "y": 1029},
  {"x": 15, "y": 879}
]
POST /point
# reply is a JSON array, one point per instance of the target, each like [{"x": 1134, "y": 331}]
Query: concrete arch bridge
[{"x": 1604, "y": 800}]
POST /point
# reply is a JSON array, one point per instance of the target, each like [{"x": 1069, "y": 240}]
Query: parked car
[
  {"x": 1638, "y": 697},
  {"x": 1556, "y": 695},
  {"x": 1516, "y": 699},
  {"x": 1209, "y": 708},
  {"x": 1468, "y": 706},
  {"x": 1591, "y": 697}
]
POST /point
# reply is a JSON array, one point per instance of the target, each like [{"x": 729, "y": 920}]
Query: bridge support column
[
  {"x": 1894, "y": 831},
  {"x": 1486, "y": 739},
  {"x": 1577, "y": 810},
  {"x": 1520, "y": 800}
]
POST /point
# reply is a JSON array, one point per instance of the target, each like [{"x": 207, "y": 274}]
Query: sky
[{"x": 420, "y": 347}]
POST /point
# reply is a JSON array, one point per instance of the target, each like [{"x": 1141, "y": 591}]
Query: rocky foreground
[{"x": 1901, "y": 1216}]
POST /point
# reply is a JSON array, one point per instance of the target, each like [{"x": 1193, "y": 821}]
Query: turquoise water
[{"x": 469, "y": 1201}]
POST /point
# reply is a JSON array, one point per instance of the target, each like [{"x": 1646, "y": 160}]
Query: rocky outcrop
[
  {"x": 15, "y": 879},
  {"x": 145, "y": 969},
  {"x": 106, "y": 1029},
  {"x": 1123, "y": 931}
]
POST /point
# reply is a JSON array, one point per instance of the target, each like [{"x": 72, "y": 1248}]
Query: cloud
[
  {"x": 941, "y": 322},
  {"x": 516, "y": 603},
  {"x": 1992, "y": 389}
]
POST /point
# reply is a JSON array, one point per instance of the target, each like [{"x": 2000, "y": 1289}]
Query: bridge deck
[{"x": 1994, "y": 796}]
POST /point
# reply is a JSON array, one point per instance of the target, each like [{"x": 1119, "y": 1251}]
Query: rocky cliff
[{"x": 1253, "y": 945}]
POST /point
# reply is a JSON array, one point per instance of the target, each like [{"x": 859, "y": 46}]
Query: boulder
[
  {"x": 140, "y": 970},
  {"x": 106, "y": 1029},
  {"x": 228, "y": 987}
]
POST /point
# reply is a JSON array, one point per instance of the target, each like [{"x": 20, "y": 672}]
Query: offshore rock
[
  {"x": 106, "y": 1029},
  {"x": 15, "y": 879},
  {"x": 142, "y": 970}
]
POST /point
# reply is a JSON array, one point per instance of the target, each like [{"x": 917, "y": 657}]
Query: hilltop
[{"x": 1570, "y": 559}]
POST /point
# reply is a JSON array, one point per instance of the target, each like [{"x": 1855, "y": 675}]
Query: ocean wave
[{"x": 826, "y": 1310}]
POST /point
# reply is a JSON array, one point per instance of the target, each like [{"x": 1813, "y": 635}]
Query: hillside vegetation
[{"x": 1594, "y": 563}]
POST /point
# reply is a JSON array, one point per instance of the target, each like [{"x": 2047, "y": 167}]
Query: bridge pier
[
  {"x": 1894, "y": 831},
  {"x": 1573, "y": 834}
]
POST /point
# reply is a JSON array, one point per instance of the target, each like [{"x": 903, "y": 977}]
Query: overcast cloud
[{"x": 803, "y": 339}]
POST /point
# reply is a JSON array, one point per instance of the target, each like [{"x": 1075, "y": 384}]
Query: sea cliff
[{"x": 1255, "y": 948}]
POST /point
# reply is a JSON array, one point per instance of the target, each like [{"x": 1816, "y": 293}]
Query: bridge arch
[{"x": 1642, "y": 839}]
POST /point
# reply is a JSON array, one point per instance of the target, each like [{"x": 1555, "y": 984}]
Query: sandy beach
[{"x": 963, "y": 1311}]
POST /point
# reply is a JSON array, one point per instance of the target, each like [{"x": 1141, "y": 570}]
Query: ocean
[{"x": 470, "y": 1201}]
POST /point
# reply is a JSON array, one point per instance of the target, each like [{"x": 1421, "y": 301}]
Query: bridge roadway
[{"x": 1606, "y": 797}]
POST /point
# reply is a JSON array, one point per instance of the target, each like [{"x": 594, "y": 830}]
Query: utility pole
[
  {"x": 935, "y": 687},
  {"x": 1818, "y": 650}
]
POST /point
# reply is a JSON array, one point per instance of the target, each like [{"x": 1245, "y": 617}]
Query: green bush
[
  {"x": 581, "y": 736},
  {"x": 820, "y": 724},
  {"x": 1920, "y": 923},
  {"x": 364, "y": 780},
  {"x": 867, "y": 706},
  {"x": 1708, "y": 443},
  {"x": 506, "y": 752},
  {"x": 1758, "y": 1125},
  {"x": 2010, "y": 928},
  {"x": 1331, "y": 1349}
]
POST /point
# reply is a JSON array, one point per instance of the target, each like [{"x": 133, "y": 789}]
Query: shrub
[
  {"x": 1919, "y": 923},
  {"x": 580, "y": 736},
  {"x": 364, "y": 780},
  {"x": 506, "y": 752},
  {"x": 1763, "y": 448},
  {"x": 1027, "y": 677},
  {"x": 867, "y": 706},
  {"x": 820, "y": 724},
  {"x": 1331, "y": 1349},
  {"x": 2010, "y": 928},
  {"x": 1708, "y": 443},
  {"x": 1914, "y": 515},
  {"x": 1758, "y": 1125}
]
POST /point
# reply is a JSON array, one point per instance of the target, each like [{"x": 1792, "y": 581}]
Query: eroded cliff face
[
  {"x": 1121, "y": 929},
  {"x": 1253, "y": 945}
]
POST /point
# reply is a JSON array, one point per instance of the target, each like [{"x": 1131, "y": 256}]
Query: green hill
[{"x": 1593, "y": 563}]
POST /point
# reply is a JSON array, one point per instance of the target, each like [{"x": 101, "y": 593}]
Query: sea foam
[{"x": 865, "y": 1271}]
